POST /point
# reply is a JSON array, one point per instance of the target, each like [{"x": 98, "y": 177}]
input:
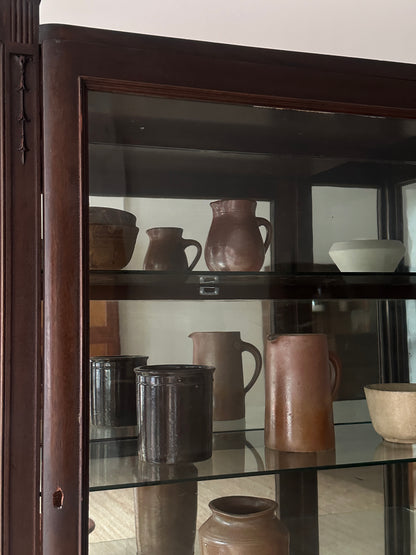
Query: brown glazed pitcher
[
  {"x": 223, "y": 349},
  {"x": 234, "y": 242},
  {"x": 243, "y": 525},
  {"x": 166, "y": 250},
  {"x": 302, "y": 379}
]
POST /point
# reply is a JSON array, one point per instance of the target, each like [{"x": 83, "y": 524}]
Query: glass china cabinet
[{"x": 161, "y": 128}]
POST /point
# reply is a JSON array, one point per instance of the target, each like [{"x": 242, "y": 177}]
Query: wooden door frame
[
  {"x": 76, "y": 60},
  {"x": 20, "y": 277}
]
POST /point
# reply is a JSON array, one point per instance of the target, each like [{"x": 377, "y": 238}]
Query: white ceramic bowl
[
  {"x": 367, "y": 255},
  {"x": 392, "y": 408}
]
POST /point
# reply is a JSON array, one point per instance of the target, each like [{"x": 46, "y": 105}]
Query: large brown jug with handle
[
  {"x": 234, "y": 242},
  {"x": 223, "y": 349},
  {"x": 166, "y": 250},
  {"x": 302, "y": 378}
]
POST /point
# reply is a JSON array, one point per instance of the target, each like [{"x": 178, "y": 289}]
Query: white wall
[{"x": 377, "y": 29}]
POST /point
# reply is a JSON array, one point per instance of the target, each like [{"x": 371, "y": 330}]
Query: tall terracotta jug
[
  {"x": 166, "y": 250},
  {"x": 302, "y": 379},
  {"x": 234, "y": 242},
  {"x": 223, "y": 349}
]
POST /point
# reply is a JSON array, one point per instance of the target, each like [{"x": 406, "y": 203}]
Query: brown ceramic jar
[
  {"x": 234, "y": 242},
  {"x": 223, "y": 349},
  {"x": 166, "y": 250},
  {"x": 242, "y": 525},
  {"x": 302, "y": 379}
]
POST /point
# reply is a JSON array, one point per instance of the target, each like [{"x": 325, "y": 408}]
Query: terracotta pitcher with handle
[
  {"x": 166, "y": 250},
  {"x": 223, "y": 349},
  {"x": 234, "y": 242},
  {"x": 302, "y": 379}
]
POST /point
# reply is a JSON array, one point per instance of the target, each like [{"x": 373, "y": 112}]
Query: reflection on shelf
[
  {"x": 115, "y": 464},
  {"x": 132, "y": 284}
]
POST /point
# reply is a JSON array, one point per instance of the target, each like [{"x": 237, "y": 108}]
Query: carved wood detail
[{"x": 22, "y": 116}]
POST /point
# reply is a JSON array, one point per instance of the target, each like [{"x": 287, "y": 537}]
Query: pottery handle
[
  {"x": 191, "y": 242},
  {"x": 268, "y": 226},
  {"x": 335, "y": 366},
  {"x": 257, "y": 359}
]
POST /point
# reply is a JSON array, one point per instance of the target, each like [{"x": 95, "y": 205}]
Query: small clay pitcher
[
  {"x": 222, "y": 350},
  {"x": 234, "y": 242},
  {"x": 166, "y": 250},
  {"x": 242, "y": 525},
  {"x": 302, "y": 379}
]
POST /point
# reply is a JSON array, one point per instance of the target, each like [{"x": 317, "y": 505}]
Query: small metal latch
[
  {"x": 209, "y": 291},
  {"x": 208, "y": 288}
]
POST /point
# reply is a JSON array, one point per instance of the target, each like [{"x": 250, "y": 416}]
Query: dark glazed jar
[
  {"x": 234, "y": 242},
  {"x": 112, "y": 390},
  {"x": 241, "y": 525},
  {"x": 174, "y": 412}
]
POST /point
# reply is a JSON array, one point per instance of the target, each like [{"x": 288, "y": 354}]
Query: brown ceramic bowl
[
  {"x": 392, "y": 408},
  {"x": 110, "y": 216},
  {"x": 111, "y": 246}
]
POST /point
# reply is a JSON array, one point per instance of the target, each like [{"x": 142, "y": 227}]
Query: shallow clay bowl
[
  {"x": 111, "y": 246},
  {"x": 111, "y": 216},
  {"x": 392, "y": 408},
  {"x": 367, "y": 255}
]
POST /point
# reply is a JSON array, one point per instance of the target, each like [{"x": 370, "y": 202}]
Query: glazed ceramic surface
[
  {"x": 367, "y": 255},
  {"x": 111, "y": 246},
  {"x": 111, "y": 216},
  {"x": 302, "y": 379},
  {"x": 392, "y": 408},
  {"x": 234, "y": 242},
  {"x": 223, "y": 349},
  {"x": 242, "y": 525},
  {"x": 166, "y": 250},
  {"x": 174, "y": 411},
  {"x": 113, "y": 390},
  {"x": 165, "y": 515}
]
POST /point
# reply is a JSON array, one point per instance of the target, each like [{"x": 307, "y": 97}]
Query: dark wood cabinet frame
[{"x": 75, "y": 61}]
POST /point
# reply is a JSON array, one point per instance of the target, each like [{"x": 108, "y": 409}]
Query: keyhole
[{"x": 58, "y": 498}]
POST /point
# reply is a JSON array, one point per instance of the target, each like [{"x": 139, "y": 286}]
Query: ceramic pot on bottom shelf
[
  {"x": 165, "y": 515},
  {"x": 242, "y": 525}
]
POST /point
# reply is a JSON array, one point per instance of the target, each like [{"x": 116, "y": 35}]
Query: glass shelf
[
  {"x": 114, "y": 463},
  {"x": 360, "y": 531},
  {"x": 132, "y": 284}
]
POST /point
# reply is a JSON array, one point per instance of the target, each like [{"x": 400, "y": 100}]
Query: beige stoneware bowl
[
  {"x": 111, "y": 246},
  {"x": 392, "y": 408},
  {"x": 110, "y": 216}
]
